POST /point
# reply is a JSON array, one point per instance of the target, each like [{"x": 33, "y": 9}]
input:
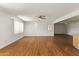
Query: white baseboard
[
  {"x": 8, "y": 43},
  {"x": 39, "y": 35}
]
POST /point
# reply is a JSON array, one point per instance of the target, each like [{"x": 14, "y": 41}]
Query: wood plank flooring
[{"x": 60, "y": 45}]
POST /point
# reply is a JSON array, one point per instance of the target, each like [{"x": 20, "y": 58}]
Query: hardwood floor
[{"x": 60, "y": 45}]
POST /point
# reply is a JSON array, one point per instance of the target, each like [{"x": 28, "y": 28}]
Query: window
[
  {"x": 18, "y": 27},
  {"x": 49, "y": 28}
]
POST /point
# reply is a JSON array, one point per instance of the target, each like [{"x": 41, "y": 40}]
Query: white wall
[
  {"x": 59, "y": 28},
  {"x": 67, "y": 28},
  {"x": 7, "y": 35},
  {"x": 72, "y": 28},
  {"x": 38, "y": 29}
]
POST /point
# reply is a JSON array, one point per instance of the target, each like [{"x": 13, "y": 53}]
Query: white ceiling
[
  {"x": 31, "y": 11},
  {"x": 71, "y": 20}
]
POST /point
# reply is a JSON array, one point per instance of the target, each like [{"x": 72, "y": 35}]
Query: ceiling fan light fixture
[{"x": 40, "y": 19}]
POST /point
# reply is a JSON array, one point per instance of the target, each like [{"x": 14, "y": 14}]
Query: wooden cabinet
[{"x": 75, "y": 40}]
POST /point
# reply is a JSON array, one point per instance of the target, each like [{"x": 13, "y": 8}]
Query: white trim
[{"x": 8, "y": 43}]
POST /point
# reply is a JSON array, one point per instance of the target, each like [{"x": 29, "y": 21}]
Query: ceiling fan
[{"x": 41, "y": 17}]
